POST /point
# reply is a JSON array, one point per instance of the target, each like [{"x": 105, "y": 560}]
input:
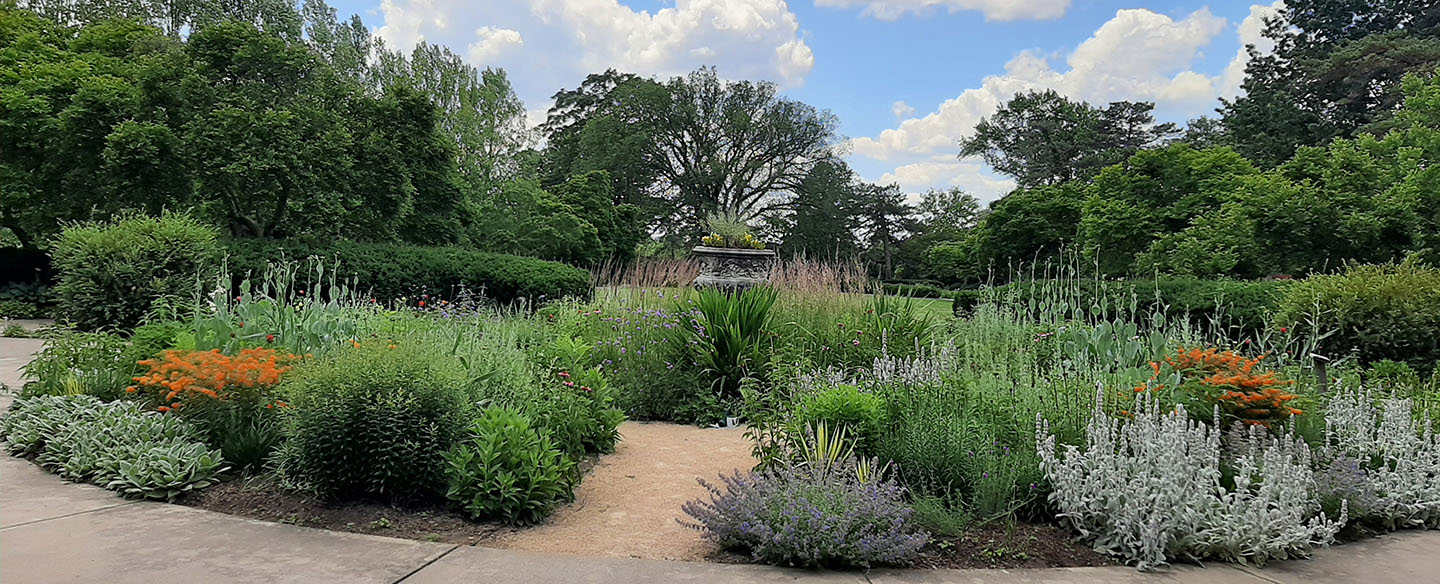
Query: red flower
[
  {"x": 269, "y": 338},
  {"x": 564, "y": 375},
  {"x": 422, "y": 303},
  {"x": 1284, "y": 330}
]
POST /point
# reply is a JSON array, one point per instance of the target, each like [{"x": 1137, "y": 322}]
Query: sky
[{"x": 908, "y": 79}]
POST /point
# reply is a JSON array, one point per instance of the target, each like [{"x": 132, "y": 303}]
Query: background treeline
[{"x": 277, "y": 121}]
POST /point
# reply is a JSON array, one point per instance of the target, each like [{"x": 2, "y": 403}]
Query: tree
[
  {"x": 1335, "y": 70},
  {"x": 478, "y": 109},
  {"x": 884, "y": 218},
  {"x": 820, "y": 226},
  {"x": 1042, "y": 138},
  {"x": 718, "y": 145}
]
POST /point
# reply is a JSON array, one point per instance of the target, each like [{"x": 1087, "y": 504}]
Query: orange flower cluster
[
  {"x": 1230, "y": 380},
  {"x": 180, "y": 375}
]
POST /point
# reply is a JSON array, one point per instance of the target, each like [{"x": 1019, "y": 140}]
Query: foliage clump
[{"x": 507, "y": 469}]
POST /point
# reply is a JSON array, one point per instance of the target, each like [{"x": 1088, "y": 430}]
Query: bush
[
  {"x": 392, "y": 271},
  {"x": 1244, "y": 304},
  {"x": 810, "y": 515},
  {"x": 110, "y": 273},
  {"x": 1376, "y": 312},
  {"x": 507, "y": 469},
  {"x": 113, "y": 445},
  {"x": 373, "y": 422},
  {"x": 26, "y": 300},
  {"x": 80, "y": 364},
  {"x": 861, "y": 414}
]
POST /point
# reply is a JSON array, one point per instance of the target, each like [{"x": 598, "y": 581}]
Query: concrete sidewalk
[{"x": 57, "y": 532}]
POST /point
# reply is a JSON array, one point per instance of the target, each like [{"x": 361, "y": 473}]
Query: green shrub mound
[
  {"x": 508, "y": 469},
  {"x": 390, "y": 271},
  {"x": 1230, "y": 303},
  {"x": 862, "y": 415},
  {"x": 111, "y": 273},
  {"x": 114, "y": 445},
  {"x": 373, "y": 422},
  {"x": 1375, "y": 312}
]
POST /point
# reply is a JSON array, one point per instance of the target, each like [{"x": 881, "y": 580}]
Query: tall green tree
[
  {"x": 1043, "y": 138},
  {"x": 884, "y": 219},
  {"x": 821, "y": 225},
  {"x": 1335, "y": 70}
]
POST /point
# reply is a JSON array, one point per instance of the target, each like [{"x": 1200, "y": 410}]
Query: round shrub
[
  {"x": 373, "y": 422},
  {"x": 1376, "y": 312},
  {"x": 110, "y": 273},
  {"x": 507, "y": 469},
  {"x": 861, "y": 414}
]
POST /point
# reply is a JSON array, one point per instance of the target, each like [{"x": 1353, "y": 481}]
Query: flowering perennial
[
  {"x": 178, "y": 376},
  {"x": 1230, "y": 382}
]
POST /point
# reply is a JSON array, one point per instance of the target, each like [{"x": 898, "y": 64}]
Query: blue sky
[{"x": 907, "y": 78}]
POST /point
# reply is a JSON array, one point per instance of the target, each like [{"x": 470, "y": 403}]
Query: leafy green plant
[
  {"x": 111, "y": 273},
  {"x": 861, "y": 414},
  {"x": 728, "y": 230},
  {"x": 80, "y": 364},
  {"x": 114, "y": 445},
  {"x": 373, "y": 421},
  {"x": 274, "y": 309},
  {"x": 508, "y": 469},
  {"x": 728, "y": 330}
]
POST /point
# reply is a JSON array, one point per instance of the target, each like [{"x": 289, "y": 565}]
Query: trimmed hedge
[
  {"x": 390, "y": 271},
  {"x": 1245, "y": 304}
]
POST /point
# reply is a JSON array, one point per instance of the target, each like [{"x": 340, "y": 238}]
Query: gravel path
[{"x": 628, "y": 504}]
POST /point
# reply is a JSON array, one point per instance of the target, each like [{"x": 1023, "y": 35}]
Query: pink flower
[
  {"x": 564, "y": 375},
  {"x": 569, "y": 384}
]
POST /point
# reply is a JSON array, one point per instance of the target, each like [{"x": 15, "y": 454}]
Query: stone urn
[{"x": 733, "y": 268}]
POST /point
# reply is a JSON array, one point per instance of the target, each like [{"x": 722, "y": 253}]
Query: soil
[
  {"x": 1010, "y": 545},
  {"x": 260, "y": 499},
  {"x": 628, "y": 505}
]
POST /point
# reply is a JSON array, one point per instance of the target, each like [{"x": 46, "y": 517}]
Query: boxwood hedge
[{"x": 390, "y": 271}]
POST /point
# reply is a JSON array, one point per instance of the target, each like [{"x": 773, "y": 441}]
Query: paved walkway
[{"x": 56, "y": 532}]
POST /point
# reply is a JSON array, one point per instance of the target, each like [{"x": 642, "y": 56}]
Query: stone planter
[{"x": 733, "y": 268}]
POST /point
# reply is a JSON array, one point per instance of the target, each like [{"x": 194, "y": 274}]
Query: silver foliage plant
[
  {"x": 1402, "y": 475},
  {"x": 1149, "y": 489}
]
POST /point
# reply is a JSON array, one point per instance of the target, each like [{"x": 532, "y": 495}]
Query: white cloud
[
  {"x": 901, "y": 109},
  {"x": 1137, "y": 55},
  {"x": 946, "y": 171},
  {"x": 992, "y": 9},
  {"x": 1251, "y": 32},
  {"x": 557, "y": 42},
  {"x": 491, "y": 42}
]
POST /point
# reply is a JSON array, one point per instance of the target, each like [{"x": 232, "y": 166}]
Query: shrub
[
  {"x": 80, "y": 364},
  {"x": 1376, "y": 312},
  {"x": 114, "y": 445},
  {"x": 226, "y": 396},
  {"x": 26, "y": 300},
  {"x": 373, "y": 422},
  {"x": 508, "y": 469},
  {"x": 110, "y": 273},
  {"x": 809, "y": 515},
  {"x": 1149, "y": 490},
  {"x": 845, "y": 406},
  {"x": 396, "y": 271}
]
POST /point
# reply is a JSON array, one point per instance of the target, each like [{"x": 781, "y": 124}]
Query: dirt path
[{"x": 628, "y": 504}]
